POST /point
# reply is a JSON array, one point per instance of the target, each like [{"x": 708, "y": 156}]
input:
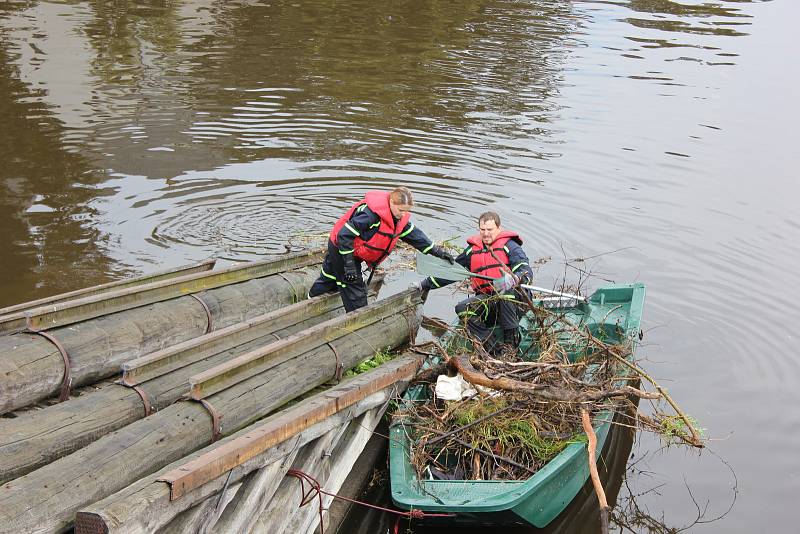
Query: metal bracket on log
[
  {"x": 243, "y": 367},
  {"x": 216, "y": 420},
  {"x": 60, "y": 314},
  {"x": 294, "y": 289},
  {"x": 66, "y": 382},
  {"x": 183, "y": 270},
  {"x": 286, "y": 425},
  {"x": 337, "y": 374},
  {"x": 148, "y": 406},
  {"x": 209, "y": 319}
]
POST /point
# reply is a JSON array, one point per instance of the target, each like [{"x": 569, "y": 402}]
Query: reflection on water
[{"x": 140, "y": 135}]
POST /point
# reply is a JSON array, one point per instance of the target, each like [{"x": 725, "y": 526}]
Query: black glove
[
  {"x": 424, "y": 290},
  {"x": 350, "y": 271},
  {"x": 439, "y": 252}
]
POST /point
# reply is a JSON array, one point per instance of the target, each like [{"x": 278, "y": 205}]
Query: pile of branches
[{"x": 529, "y": 406}]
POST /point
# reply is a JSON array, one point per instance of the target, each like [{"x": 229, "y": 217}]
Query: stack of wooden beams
[{"x": 200, "y": 358}]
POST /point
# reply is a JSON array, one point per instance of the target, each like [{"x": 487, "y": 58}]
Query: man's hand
[
  {"x": 350, "y": 271},
  {"x": 439, "y": 252}
]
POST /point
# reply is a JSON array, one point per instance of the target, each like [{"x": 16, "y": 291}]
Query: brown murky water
[{"x": 140, "y": 135}]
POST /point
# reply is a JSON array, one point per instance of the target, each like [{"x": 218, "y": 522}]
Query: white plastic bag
[{"x": 453, "y": 388}]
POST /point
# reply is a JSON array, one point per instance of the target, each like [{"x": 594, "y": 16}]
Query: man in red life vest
[
  {"x": 368, "y": 233},
  {"x": 494, "y": 251}
]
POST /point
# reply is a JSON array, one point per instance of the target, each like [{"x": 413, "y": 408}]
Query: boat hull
[{"x": 539, "y": 499}]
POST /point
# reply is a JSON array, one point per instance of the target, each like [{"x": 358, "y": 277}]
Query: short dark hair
[
  {"x": 489, "y": 216},
  {"x": 401, "y": 195}
]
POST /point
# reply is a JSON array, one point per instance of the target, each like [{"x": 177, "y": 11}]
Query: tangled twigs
[
  {"x": 482, "y": 451},
  {"x": 598, "y": 485},
  {"x": 542, "y": 391},
  {"x": 696, "y": 440}
]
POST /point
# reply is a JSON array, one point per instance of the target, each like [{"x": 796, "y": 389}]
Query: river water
[{"x": 651, "y": 139}]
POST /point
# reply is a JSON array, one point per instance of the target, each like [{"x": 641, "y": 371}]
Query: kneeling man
[{"x": 493, "y": 252}]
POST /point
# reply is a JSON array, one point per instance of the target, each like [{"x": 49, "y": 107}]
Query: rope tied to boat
[{"x": 315, "y": 490}]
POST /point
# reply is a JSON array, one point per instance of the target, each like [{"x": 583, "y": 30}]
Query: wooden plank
[
  {"x": 290, "y": 422},
  {"x": 165, "y": 274},
  {"x": 223, "y": 376},
  {"x": 70, "y": 312}
]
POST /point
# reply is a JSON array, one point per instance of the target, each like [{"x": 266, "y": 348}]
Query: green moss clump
[{"x": 380, "y": 357}]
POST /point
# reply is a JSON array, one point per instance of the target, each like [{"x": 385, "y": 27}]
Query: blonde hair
[{"x": 402, "y": 195}]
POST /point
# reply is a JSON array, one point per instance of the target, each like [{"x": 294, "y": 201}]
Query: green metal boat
[{"x": 615, "y": 312}]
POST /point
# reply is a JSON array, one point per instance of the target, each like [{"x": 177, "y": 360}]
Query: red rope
[{"x": 315, "y": 490}]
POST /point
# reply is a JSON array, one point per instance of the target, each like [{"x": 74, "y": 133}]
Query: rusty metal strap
[
  {"x": 294, "y": 289},
  {"x": 148, "y": 406},
  {"x": 66, "y": 382},
  {"x": 210, "y": 322},
  {"x": 216, "y": 420},
  {"x": 337, "y": 374}
]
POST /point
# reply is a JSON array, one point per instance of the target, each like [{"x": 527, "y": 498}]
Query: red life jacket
[
  {"x": 378, "y": 247},
  {"x": 490, "y": 261}
]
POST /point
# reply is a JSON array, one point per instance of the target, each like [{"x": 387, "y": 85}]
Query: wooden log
[
  {"x": 75, "y": 311},
  {"x": 145, "y": 506},
  {"x": 111, "y": 286},
  {"x": 32, "y": 368},
  {"x": 40, "y": 437},
  {"x": 46, "y": 500},
  {"x": 238, "y": 369}
]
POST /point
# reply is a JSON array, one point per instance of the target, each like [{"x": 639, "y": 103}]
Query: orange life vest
[
  {"x": 378, "y": 247},
  {"x": 489, "y": 261}
]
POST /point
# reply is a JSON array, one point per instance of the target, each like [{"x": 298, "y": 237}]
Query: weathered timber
[
  {"x": 42, "y": 436},
  {"x": 46, "y": 500},
  {"x": 238, "y": 369},
  {"x": 178, "y": 356},
  {"x": 75, "y": 311},
  {"x": 359, "y": 484},
  {"x": 253, "y": 495},
  {"x": 258, "y": 488},
  {"x": 193, "y": 520},
  {"x": 330, "y": 473},
  {"x": 31, "y": 367},
  {"x": 157, "y": 276},
  {"x": 233, "y": 453},
  {"x": 145, "y": 506}
]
